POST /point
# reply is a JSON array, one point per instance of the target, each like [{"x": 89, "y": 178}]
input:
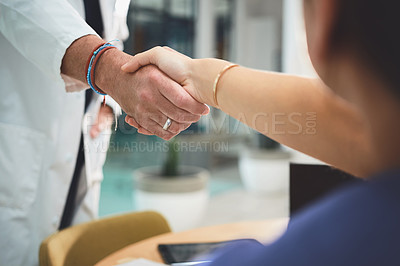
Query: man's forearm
[
  {"x": 109, "y": 76},
  {"x": 76, "y": 56},
  {"x": 107, "y": 68},
  {"x": 148, "y": 95}
]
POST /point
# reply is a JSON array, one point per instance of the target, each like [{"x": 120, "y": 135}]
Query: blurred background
[{"x": 226, "y": 171}]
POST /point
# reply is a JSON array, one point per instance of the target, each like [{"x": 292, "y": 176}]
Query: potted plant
[
  {"x": 264, "y": 167},
  {"x": 179, "y": 192}
]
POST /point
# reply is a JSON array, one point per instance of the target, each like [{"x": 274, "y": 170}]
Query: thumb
[{"x": 150, "y": 57}]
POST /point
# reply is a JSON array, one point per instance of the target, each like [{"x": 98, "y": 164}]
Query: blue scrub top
[{"x": 358, "y": 225}]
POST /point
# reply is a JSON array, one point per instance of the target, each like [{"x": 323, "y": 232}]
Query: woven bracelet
[{"x": 91, "y": 66}]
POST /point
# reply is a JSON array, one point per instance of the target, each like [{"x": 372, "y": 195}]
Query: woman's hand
[
  {"x": 175, "y": 65},
  {"x": 195, "y": 76}
]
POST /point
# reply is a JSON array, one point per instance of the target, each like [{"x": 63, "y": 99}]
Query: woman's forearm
[{"x": 298, "y": 112}]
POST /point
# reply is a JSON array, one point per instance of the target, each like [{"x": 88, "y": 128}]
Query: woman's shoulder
[
  {"x": 355, "y": 225},
  {"x": 377, "y": 194}
]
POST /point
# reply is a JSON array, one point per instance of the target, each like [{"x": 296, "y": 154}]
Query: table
[{"x": 264, "y": 231}]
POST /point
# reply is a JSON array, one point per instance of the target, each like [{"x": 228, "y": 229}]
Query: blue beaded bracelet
[{"x": 92, "y": 66}]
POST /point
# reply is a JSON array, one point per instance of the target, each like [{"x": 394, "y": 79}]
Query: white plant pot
[
  {"x": 182, "y": 199},
  {"x": 264, "y": 172}
]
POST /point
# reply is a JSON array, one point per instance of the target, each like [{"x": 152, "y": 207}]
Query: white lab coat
[{"x": 41, "y": 124}]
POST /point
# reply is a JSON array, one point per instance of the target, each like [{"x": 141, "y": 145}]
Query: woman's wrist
[{"x": 204, "y": 72}]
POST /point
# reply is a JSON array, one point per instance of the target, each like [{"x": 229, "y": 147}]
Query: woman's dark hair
[{"x": 371, "y": 28}]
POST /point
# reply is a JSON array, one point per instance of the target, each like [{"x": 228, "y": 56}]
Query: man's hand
[
  {"x": 148, "y": 96},
  {"x": 197, "y": 77},
  {"x": 103, "y": 121}
]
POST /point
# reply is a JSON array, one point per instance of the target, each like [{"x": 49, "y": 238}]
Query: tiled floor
[
  {"x": 229, "y": 201},
  {"x": 117, "y": 188},
  {"x": 237, "y": 204}
]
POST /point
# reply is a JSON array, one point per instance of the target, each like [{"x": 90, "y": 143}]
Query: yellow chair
[{"x": 88, "y": 243}]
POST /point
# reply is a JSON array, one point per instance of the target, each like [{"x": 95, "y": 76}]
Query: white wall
[
  {"x": 258, "y": 33},
  {"x": 295, "y": 59},
  {"x": 205, "y": 29}
]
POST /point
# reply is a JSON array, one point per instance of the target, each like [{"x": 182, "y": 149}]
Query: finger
[
  {"x": 170, "y": 49},
  {"x": 131, "y": 121},
  {"x": 145, "y": 132},
  {"x": 175, "y": 51},
  {"x": 162, "y": 89},
  {"x": 161, "y": 119},
  {"x": 187, "y": 126},
  {"x": 179, "y": 97},
  {"x": 142, "y": 59},
  {"x": 169, "y": 110},
  {"x": 170, "y": 62},
  {"x": 156, "y": 129},
  {"x": 175, "y": 127}
]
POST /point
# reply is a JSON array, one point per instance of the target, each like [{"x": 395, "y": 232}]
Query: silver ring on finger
[{"x": 167, "y": 124}]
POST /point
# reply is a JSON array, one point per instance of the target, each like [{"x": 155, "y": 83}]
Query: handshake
[
  {"x": 180, "y": 100},
  {"x": 162, "y": 91},
  {"x": 157, "y": 90}
]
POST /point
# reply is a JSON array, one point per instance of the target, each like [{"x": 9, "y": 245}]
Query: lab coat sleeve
[
  {"x": 42, "y": 30},
  {"x": 115, "y": 106}
]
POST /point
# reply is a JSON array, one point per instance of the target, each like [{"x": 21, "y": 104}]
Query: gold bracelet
[{"x": 217, "y": 79}]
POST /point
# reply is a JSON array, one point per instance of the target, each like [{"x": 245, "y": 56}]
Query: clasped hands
[
  {"x": 171, "y": 93},
  {"x": 154, "y": 88}
]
